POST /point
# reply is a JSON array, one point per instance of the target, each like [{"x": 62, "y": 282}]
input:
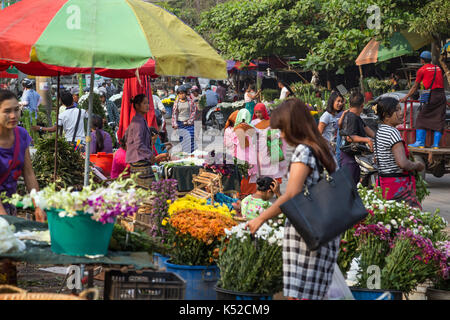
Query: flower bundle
[
  {"x": 413, "y": 260},
  {"x": 252, "y": 263},
  {"x": 195, "y": 235},
  {"x": 121, "y": 198},
  {"x": 189, "y": 202},
  {"x": 168, "y": 102},
  {"x": 394, "y": 216},
  {"x": 224, "y": 169}
]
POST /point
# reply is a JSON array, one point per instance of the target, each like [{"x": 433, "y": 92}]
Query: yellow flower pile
[
  {"x": 189, "y": 202},
  {"x": 313, "y": 113}
]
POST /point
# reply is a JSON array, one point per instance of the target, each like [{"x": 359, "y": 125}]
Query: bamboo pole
[{"x": 88, "y": 134}]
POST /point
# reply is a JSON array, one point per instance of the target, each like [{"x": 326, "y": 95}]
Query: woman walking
[
  {"x": 250, "y": 97},
  {"x": 306, "y": 274},
  {"x": 270, "y": 148},
  {"x": 244, "y": 141},
  {"x": 395, "y": 170},
  {"x": 183, "y": 115},
  {"x": 15, "y": 159}
]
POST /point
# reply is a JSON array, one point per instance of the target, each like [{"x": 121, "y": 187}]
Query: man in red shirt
[{"x": 432, "y": 113}]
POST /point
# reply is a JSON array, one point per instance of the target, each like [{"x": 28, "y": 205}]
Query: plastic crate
[{"x": 148, "y": 285}]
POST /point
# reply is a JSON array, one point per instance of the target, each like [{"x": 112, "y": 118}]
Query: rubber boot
[
  {"x": 421, "y": 134},
  {"x": 437, "y": 139}
]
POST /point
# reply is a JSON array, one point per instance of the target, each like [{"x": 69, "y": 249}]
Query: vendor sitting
[
  {"x": 254, "y": 204},
  {"x": 159, "y": 157},
  {"x": 139, "y": 154}
]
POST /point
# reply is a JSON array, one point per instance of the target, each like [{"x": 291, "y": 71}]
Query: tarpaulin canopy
[
  {"x": 401, "y": 43},
  {"x": 131, "y": 88},
  {"x": 238, "y": 65}
]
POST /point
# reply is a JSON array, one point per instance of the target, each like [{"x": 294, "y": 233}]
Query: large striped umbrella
[
  {"x": 401, "y": 43},
  {"x": 114, "y": 34}
]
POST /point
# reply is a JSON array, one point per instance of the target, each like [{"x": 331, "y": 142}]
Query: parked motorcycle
[
  {"x": 369, "y": 169},
  {"x": 215, "y": 118}
]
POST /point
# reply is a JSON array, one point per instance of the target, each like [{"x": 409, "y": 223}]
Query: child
[{"x": 256, "y": 203}]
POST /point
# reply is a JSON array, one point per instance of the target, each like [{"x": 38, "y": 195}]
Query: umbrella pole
[
  {"x": 88, "y": 134},
  {"x": 56, "y": 137},
  {"x": 361, "y": 82}
]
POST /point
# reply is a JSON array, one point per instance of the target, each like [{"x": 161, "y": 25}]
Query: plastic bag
[{"x": 339, "y": 289}]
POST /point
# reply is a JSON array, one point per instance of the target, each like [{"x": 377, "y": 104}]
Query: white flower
[
  {"x": 388, "y": 226},
  {"x": 393, "y": 222},
  {"x": 272, "y": 240}
]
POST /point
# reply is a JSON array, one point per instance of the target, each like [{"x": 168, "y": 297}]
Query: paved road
[
  {"x": 439, "y": 197},
  {"x": 439, "y": 187}
]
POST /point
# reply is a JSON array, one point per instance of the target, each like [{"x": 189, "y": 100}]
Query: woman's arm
[
  {"x": 31, "y": 183},
  {"x": 297, "y": 177},
  {"x": 321, "y": 127},
  {"x": 402, "y": 161},
  {"x": 2, "y": 210}
]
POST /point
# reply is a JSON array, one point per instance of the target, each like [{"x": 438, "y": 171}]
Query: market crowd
[{"x": 254, "y": 135}]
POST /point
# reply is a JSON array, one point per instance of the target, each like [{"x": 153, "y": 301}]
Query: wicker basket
[{"x": 8, "y": 292}]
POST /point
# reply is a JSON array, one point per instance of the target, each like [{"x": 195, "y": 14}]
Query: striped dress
[{"x": 307, "y": 274}]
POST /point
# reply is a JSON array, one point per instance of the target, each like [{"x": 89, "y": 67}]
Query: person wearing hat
[
  {"x": 30, "y": 99},
  {"x": 112, "y": 112},
  {"x": 212, "y": 99},
  {"x": 183, "y": 115},
  {"x": 76, "y": 96},
  {"x": 432, "y": 112}
]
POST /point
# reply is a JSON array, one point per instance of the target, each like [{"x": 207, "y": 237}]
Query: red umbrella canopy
[{"x": 47, "y": 70}]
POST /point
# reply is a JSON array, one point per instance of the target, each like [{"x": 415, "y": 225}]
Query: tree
[
  {"x": 245, "y": 30},
  {"x": 329, "y": 34}
]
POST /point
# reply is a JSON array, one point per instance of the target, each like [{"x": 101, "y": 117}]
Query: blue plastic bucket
[
  {"x": 200, "y": 280},
  {"x": 78, "y": 235},
  {"x": 160, "y": 259},
  {"x": 373, "y": 294},
  {"x": 223, "y": 294}
]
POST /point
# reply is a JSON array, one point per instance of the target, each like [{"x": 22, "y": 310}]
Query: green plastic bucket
[{"x": 78, "y": 235}]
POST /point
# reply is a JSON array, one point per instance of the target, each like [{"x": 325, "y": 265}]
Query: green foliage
[
  {"x": 70, "y": 163},
  {"x": 270, "y": 94},
  {"x": 96, "y": 107},
  {"x": 122, "y": 240},
  {"x": 250, "y": 264},
  {"x": 378, "y": 87},
  {"x": 433, "y": 19},
  {"x": 307, "y": 93},
  {"x": 329, "y": 33}
]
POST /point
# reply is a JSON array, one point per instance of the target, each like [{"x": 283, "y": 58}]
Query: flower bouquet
[
  {"x": 90, "y": 212},
  {"x": 392, "y": 215},
  {"x": 195, "y": 228},
  {"x": 251, "y": 264},
  {"x": 195, "y": 236},
  {"x": 407, "y": 245}
]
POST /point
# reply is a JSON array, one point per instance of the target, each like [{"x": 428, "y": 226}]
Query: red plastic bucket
[{"x": 103, "y": 160}]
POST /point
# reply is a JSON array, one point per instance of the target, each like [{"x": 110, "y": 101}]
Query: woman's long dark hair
[
  {"x": 386, "y": 107},
  {"x": 330, "y": 103},
  {"x": 97, "y": 124},
  {"x": 294, "y": 119}
]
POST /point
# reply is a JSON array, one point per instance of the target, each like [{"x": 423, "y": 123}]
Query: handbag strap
[
  {"x": 434, "y": 77},
  {"x": 15, "y": 155},
  {"x": 76, "y": 126}
]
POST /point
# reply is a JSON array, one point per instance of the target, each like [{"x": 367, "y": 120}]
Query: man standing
[
  {"x": 30, "y": 99},
  {"x": 221, "y": 91},
  {"x": 112, "y": 112},
  {"x": 212, "y": 99},
  {"x": 355, "y": 130},
  {"x": 432, "y": 113},
  {"x": 110, "y": 89},
  {"x": 71, "y": 120},
  {"x": 75, "y": 96}
]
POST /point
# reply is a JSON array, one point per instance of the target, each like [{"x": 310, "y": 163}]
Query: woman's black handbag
[{"x": 326, "y": 210}]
